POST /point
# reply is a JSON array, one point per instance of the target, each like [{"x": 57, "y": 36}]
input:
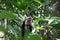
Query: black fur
[{"x": 23, "y": 28}]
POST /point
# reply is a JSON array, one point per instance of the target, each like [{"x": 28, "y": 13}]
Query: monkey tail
[{"x": 23, "y": 30}]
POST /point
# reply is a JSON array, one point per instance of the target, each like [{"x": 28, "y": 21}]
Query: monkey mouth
[
  {"x": 29, "y": 21},
  {"x": 29, "y": 18}
]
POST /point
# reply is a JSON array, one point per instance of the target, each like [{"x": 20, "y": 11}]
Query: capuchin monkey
[{"x": 27, "y": 22}]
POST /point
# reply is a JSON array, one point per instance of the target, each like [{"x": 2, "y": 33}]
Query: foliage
[
  {"x": 17, "y": 10},
  {"x": 8, "y": 15},
  {"x": 2, "y": 28}
]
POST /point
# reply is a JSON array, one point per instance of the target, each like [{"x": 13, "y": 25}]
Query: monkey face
[{"x": 28, "y": 21}]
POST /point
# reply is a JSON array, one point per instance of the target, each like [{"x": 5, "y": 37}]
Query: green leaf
[
  {"x": 39, "y": 2},
  {"x": 2, "y": 28},
  {"x": 34, "y": 37},
  {"x": 8, "y": 15}
]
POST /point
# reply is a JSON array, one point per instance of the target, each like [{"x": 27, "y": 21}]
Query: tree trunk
[{"x": 5, "y": 24}]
